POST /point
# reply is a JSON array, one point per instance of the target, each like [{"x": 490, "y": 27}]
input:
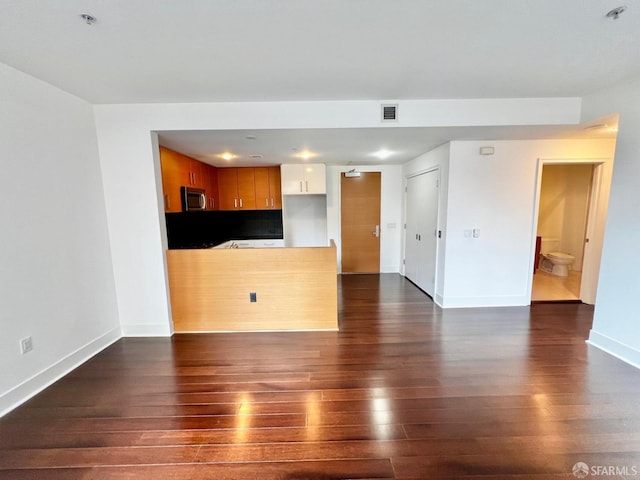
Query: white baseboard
[
  {"x": 615, "y": 348},
  {"x": 34, "y": 385},
  {"x": 146, "y": 330},
  {"x": 471, "y": 302},
  {"x": 390, "y": 269}
]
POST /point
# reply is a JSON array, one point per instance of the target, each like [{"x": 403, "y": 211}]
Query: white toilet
[{"x": 554, "y": 262}]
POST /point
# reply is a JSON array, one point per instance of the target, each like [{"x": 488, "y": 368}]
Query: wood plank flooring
[{"x": 405, "y": 390}]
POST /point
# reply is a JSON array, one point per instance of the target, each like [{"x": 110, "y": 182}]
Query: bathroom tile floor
[{"x": 552, "y": 287}]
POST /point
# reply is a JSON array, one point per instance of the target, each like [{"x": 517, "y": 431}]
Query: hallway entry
[
  {"x": 421, "y": 235},
  {"x": 360, "y": 222}
]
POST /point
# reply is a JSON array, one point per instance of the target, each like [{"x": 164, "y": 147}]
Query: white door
[{"x": 422, "y": 230}]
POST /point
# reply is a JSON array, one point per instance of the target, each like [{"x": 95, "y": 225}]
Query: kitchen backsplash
[{"x": 204, "y": 229}]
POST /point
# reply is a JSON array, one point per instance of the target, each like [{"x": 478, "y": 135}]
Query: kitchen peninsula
[
  {"x": 253, "y": 289},
  {"x": 263, "y": 273}
]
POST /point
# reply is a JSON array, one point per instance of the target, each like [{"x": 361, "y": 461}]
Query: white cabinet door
[
  {"x": 291, "y": 177},
  {"x": 315, "y": 179},
  {"x": 303, "y": 179}
]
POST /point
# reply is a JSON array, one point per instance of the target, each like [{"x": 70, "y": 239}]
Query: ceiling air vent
[{"x": 389, "y": 113}]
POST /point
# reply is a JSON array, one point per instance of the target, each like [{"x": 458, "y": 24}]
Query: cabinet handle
[
  {"x": 235, "y": 203},
  {"x": 266, "y": 202},
  {"x": 300, "y": 186},
  {"x": 167, "y": 202},
  {"x": 307, "y": 184},
  {"x": 240, "y": 203},
  {"x": 272, "y": 204}
]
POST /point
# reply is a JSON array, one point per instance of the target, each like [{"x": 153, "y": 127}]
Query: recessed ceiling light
[
  {"x": 306, "y": 154},
  {"x": 382, "y": 154},
  {"x": 90, "y": 19},
  {"x": 227, "y": 156}
]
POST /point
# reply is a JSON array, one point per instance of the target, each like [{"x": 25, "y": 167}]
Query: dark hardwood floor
[{"x": 405, "y": 390}]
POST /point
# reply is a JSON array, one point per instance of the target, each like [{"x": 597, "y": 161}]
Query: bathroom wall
[{"x": 564, "y": 205}]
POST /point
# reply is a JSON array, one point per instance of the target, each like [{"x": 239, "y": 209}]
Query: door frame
[
  {"x": 596, "y": 220},
  {"x": 436, "y": 292}
]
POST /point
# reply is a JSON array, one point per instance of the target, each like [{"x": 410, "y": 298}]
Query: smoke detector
[
  {"x": 616, "y": 12},
  {"x": 90, "y": 19}
]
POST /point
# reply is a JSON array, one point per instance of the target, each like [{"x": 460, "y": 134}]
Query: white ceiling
[
  {"x": 258, "y": 50},
  {"x": 274, "y": 50},
  {"x": 353, "y": 146}
]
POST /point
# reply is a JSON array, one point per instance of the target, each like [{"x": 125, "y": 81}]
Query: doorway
[
  {"x": 569, "y": 227},
  {"x": 421, "y": 237},
  {"x": 360, "y": 221}
]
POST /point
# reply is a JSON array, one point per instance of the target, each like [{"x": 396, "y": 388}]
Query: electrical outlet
[
  {"x": 467, "y": 234},
  {"x": 26, "y": 345},
  {"x": 476, "y": 232},
  {"x": 253, "y": 297}
]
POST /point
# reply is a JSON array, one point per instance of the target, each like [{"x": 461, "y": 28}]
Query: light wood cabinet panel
[
  {"x": 268, "y": 196},
  {"x": 175, "y": 174},
  {"x": 275, "y": 188},
  {"x": 179, "y": 170},
  {"x": 237, "y": 189},
  {"x": 211, "y": 187},
  {"x": 309, "y": 179},
  {"x": 198, "y": 173},
  {"x": 228, "y": 188},
  {"x": 263, "y": 195},
  {"x": 210, "y": 289},
  {"x": 246, "y": 189}
]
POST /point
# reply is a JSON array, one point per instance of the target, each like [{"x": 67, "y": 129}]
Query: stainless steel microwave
[{"x": 193, "y": 199}]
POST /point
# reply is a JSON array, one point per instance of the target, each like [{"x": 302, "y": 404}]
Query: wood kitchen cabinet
[
  {"x": 211, "y": 187},
  {"x": 308, "y": 179},
  {"x": 268, "y": 189},
  {"x": 236, "y": 187},
  {"x": 179, "y": 170}
]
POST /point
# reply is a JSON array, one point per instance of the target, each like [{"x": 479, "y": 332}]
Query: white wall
[
  {"x": 130, "y": 169},
  {"x": 304, "y": 219},
  {"x": 616, "y": 327},
  {"x": 56, "y": 278},
  {"x": 436, "y": 158},
  {"x": 390, "y": 211},
  {"x": 496, "y": 194}
]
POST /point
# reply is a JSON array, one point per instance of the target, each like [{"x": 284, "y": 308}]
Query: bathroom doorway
[{"x": 569, "y": 229}]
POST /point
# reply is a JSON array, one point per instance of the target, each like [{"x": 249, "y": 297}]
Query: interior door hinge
[
  {"x": 405, "y": 226},
  {"x": 405, "y": 189},
  {"x": 437, "y": 183},
  {"x": 403, "y": 261}
]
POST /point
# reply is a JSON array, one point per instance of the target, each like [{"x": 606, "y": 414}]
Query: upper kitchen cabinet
[
  {"x": 268, "y": 190},
  {"x": 178, "y": 170},
  {"x": 236, "y": 188},
  {"x": 211, "y": 187},
  {"x": 304, "y": 179}
]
